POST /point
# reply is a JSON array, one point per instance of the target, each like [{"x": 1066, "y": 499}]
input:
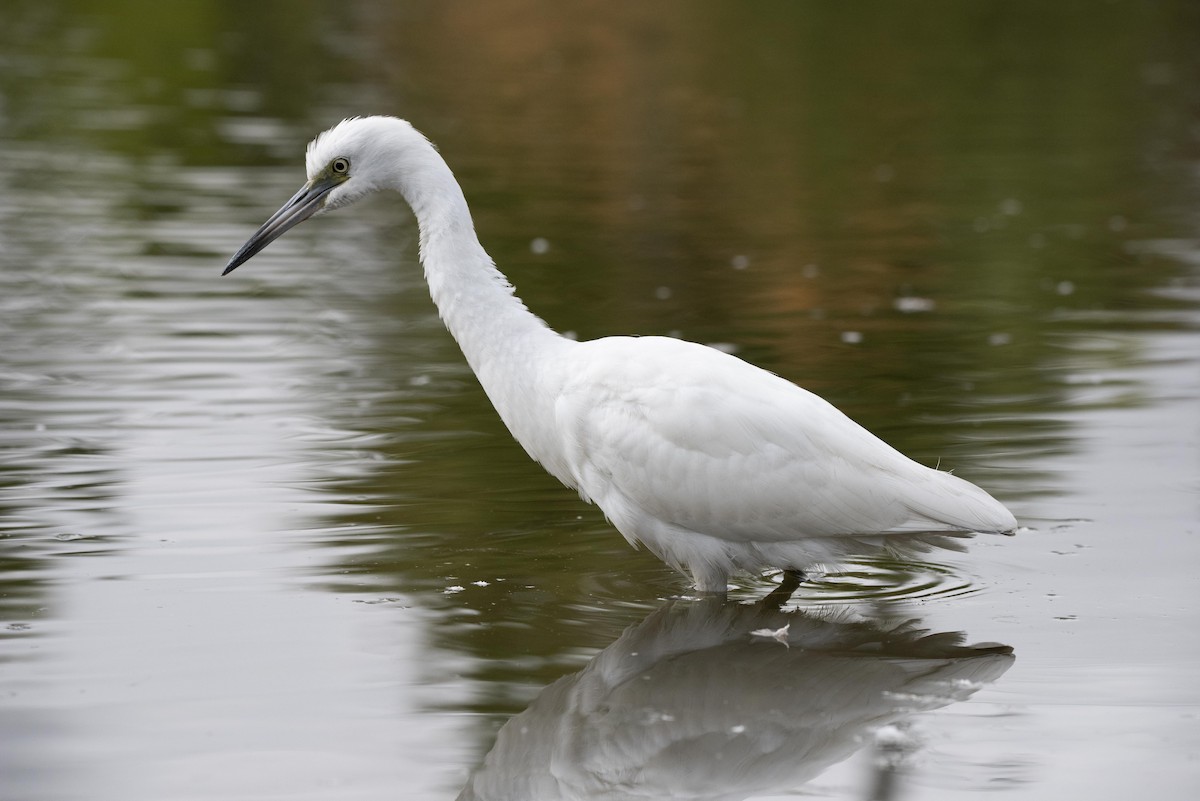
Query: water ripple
[{"x": 882, "y": 579}]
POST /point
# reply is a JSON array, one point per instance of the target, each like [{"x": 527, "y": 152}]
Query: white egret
[{"x": 713, "y": 464}]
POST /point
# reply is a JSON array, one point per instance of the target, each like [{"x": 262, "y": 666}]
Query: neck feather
[
  {"x": 511, "y": 351},
  {"x": 475, "y": 300}
]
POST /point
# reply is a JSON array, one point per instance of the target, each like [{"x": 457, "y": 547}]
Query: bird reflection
[{"x": 713, "y": 699}]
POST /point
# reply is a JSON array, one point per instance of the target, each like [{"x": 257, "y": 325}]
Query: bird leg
[{"x": 792, "y": 579}]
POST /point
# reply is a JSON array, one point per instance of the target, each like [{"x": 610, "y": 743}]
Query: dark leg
[{"x": 792, "y": 579}]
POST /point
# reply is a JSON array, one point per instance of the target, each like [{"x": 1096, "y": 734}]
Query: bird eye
[{"x": 340, "y": 166}]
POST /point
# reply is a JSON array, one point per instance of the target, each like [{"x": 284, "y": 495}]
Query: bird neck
[
  {"x": 506, "y": 345},
  {"x": 475, "y": 300}
]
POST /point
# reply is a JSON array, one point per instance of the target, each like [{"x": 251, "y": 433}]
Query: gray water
[{"x": 262, "y": 536}]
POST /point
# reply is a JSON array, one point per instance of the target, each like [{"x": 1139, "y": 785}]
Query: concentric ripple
[{"x": 884, "y": 579}]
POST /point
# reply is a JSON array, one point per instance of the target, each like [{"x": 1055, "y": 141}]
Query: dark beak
[{"x": 304, "y": 204}]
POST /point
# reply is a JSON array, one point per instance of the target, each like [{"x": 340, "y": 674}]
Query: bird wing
[{"x": 699, "y": 439}]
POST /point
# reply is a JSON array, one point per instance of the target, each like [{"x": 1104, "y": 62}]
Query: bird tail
[{"x": 951, "y": 504}]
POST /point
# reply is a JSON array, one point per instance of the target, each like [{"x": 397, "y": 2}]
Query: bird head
[{"x": 344, "y": 163}]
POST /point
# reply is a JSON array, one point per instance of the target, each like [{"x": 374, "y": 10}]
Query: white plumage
[{"x": 714, "y": 464}]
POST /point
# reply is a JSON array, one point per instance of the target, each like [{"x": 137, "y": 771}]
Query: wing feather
[{"x": 702, "y": 440}]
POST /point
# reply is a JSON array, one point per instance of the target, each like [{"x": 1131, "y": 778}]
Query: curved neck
[
  {"x": 474, "y": 299},
  {"x": 510, "y": 350}
]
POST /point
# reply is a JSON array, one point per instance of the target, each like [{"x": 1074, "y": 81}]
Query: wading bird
[{"x": 713, "y": 464}]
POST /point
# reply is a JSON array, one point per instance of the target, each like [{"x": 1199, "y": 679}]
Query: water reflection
[{"x": 712, "y": 699}]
